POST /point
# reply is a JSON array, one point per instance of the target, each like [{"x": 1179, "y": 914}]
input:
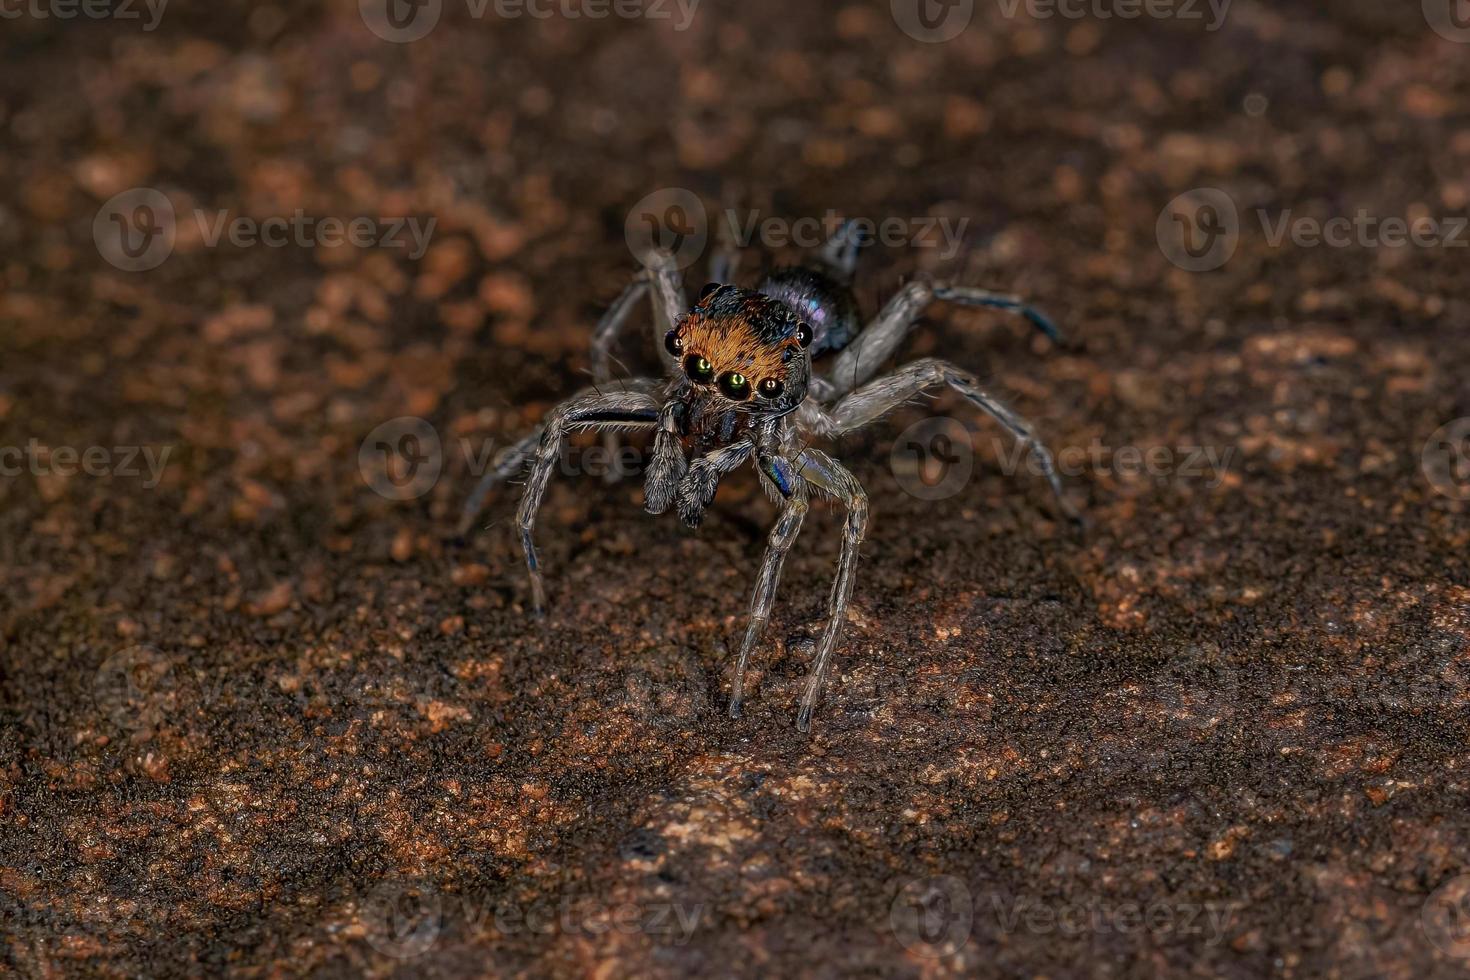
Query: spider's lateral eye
[
  {"x": 735, "y": 386},
  {"x": 698, "y": 368},
  {"x": 710, "y": 288},
  {"x": 771, "y": 388},
  {"x": 804, "y": 334},
  {"x": 673, "y": 343}
]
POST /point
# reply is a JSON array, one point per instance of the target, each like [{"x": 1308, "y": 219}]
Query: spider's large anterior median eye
[
  {"x": 698, "y": 369},
  {"x": 673, "y": 343},
  {"x": 771, "y": 388},
  {"x": 735, "y": 386}
]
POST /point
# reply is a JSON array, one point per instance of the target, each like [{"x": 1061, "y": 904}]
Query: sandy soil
[{"x": 257, "y": 718}]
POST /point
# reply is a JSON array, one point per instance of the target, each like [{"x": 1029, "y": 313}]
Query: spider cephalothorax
[
  {"x": 749, "y": 349},
  {"x": 741, "y": 388}
]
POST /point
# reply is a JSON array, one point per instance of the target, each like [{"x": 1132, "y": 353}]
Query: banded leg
[
  {"x": 883, "y": 395},
  {"x": 782, "y": 475},
  {"x": 862, "y": 358},
  {"x": 827, "y": 474},
  {"x": 623, "y": 410}
]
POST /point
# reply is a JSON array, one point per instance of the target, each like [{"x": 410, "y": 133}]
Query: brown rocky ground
[{"x": 258, "y": 718}]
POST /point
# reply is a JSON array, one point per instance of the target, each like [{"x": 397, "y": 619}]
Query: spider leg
[
  {"x": 624, "y": 410},
  {"x": 608, "y": 329},
  {"x": 669, "y": 301},
  {"x": 840, "y": 253},
  {"x": 666, "y": 465},
  {"x": 862, "y": 358},
  {"x": 885, "y": 394},
  {"x": 697, "y": 488},
  {"x": 515, "y": 458},
  {"x": 509, "y": 465},
  {"x": 724, "y": 264},
  {"x": 828, "y": 475},
  {"x": 780, "y": 473}
]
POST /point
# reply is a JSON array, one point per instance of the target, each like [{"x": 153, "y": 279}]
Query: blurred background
[{"x": 261, "y": 712}]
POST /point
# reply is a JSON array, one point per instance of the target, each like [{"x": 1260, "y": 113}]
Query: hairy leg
[
  {"x": 782, "y": 475},
  {"x": 827, "y": 474},
  {"x": 883, "y": 395},
  {"x": 664, "y": 282},
  {"x": 862, "y": 358},
  {"x": 508, "y": 466},
  {"x": 511, "y": 462},
  {"x": 604, "y": 338},
  {"x": 667, "y": 465},
  {"x": 697, "y": 488},
  {"x": 623, "y": 410},
  {"x": 724, "y": 264},
  {"x": 669, "y": 302},
  {"x": 610, "y": 328}
]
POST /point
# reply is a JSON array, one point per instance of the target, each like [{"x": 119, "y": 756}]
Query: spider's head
[{"x": 744, "y": 348}]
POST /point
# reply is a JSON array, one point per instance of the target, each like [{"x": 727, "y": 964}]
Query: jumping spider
[{"x": 741, "y": 388}]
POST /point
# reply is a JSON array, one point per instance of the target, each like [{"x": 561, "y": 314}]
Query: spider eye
[
  {"x": 673, "y": 343},
  {"x": 710, "y": 288},
  {"x": 804, "y": 334},
  {"x": 735, "y": 386},
  {"x": 771, "y": 388},
  {"x": 698, "y": 369}
]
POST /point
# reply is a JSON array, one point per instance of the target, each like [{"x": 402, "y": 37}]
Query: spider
[{"x": 742, "y": 388}]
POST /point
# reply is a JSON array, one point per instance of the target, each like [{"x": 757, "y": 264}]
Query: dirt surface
[{"x": 257, "y": 718}]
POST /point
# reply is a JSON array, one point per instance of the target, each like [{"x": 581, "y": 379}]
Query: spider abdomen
[{"x": 820, "y": 300}]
